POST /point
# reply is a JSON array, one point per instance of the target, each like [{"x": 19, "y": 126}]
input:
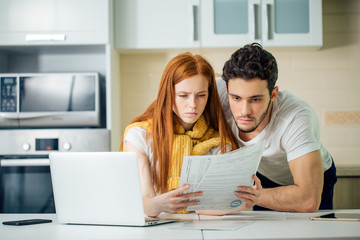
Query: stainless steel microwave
[{"x": 49, "y": 100}]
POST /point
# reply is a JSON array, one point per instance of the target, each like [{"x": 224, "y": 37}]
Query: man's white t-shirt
[{"x": 292, "y": 132}]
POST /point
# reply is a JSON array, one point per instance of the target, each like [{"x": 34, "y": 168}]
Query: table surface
[{"x": 243, "y": 225}]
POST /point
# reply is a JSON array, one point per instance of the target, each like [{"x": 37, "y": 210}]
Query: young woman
[{"x": 185, "y": 119}]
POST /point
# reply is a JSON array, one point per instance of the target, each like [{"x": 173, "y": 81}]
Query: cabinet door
[
  {"x": 156, "y": 24},
  {"x": 291, "y": 23},
  {"x": 53, "y": 22},
  {"x": 230, "y": 23},
  {"x": 234, "y": 23}
]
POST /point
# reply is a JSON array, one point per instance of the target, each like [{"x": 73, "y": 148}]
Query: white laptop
[{"x": 101, "y": 188}]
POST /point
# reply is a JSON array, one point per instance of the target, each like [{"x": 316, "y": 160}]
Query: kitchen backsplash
[
  {"x": 342, "y": 117},
  {"x": 327, "y": 78}
]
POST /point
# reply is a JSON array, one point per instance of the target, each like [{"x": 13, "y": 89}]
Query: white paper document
[
  {"x": 218, "y": 176},
  {"x": 210, "y": 225}
]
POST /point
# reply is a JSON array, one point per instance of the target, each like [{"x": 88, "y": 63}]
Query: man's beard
[{"x": 261, "y": 119}]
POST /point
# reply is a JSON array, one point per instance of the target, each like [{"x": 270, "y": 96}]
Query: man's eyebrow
[
  {"x": 257, "y": 96},
  {"x": 232, "y": 94},
  {"x": 254, "y": 96}
]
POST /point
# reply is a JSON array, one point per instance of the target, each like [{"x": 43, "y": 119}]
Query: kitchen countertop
[
  {"x": 348, "y": 170},
  {"x": 242, "y": 225}
]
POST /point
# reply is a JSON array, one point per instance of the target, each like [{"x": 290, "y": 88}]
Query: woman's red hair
[{"x": 181, "y": 67}]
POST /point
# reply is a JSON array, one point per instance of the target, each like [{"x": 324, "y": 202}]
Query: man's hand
[{"x": 250, "y": 195}]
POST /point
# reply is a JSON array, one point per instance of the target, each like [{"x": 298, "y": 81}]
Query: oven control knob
[
  {"x": 26, "y": 146},
  {"x": 67, "y": 146}
]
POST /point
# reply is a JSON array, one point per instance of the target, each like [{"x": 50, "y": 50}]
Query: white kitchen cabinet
[
  {"x": 228, "y": 23},
  {"x": 233, "y": 23},
  {"x": 156, "y": 24},
  {"x": 47, "y": 22}
]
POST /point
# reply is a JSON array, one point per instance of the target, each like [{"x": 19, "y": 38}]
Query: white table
[
  {"x": 284, "y": 225},
  {"x": 253, "y": 225},
  {"x": 54, "y": 230}
]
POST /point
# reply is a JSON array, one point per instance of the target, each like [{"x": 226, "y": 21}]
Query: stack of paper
[{"x": 218, "y": 176}]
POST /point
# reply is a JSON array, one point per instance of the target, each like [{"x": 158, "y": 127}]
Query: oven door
[{"x": 25, "y": 185}]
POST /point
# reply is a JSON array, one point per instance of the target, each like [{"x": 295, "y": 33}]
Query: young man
[{"x": 296, "y": 171}]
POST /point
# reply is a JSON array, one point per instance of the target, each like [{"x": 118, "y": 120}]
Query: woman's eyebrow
[{"x": 183, "y": 91}]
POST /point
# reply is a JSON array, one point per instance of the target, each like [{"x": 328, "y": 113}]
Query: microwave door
[
  {"x": 45, "y": 93},
  {"x": 59, "y": 100}
]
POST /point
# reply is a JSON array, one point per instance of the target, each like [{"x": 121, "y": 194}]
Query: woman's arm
[{"x": 154, "y": 204}]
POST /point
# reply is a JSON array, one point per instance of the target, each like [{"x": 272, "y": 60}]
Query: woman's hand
[
  {"x": 174, "y": 201},
  {"x": 250, "y": 195}
]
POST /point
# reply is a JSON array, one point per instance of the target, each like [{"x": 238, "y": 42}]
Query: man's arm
[{"x": 305, "y": 194}]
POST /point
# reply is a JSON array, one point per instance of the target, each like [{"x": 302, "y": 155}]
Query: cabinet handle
[
  {"x": 194, "y": 23},
  {"x": 45, "y": 37},
  {"x": 269, "y": 23},
  {"x": 255, "y": 24},
  {"x": 25, "y": 162}
]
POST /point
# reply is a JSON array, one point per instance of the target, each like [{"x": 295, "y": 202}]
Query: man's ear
[{"x": 275, "y": 93}]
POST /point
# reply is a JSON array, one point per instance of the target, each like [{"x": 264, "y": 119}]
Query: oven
[
  {"x": 25, "y": 184},
  {"x": 25, "y": 181}
]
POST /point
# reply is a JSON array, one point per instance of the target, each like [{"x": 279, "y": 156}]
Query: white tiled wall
[{"x": 327, "y": 78}]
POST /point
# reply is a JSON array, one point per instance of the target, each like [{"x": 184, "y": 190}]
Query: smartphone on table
[
  {"x": 27, "y": 222},
  {"x": 338, "y": 217}
]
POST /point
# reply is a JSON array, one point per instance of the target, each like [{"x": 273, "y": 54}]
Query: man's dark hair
[{"x": 251, "y": 61}]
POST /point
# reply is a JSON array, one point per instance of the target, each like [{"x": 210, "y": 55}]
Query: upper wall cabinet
[
  {"x": 156, "y": 24},
  {"x": 233, "y": 23},
  {"x": 37, "y": 22}
]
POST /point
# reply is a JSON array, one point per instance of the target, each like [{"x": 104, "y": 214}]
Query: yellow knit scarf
[{"x": 197, "y": 141}]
